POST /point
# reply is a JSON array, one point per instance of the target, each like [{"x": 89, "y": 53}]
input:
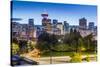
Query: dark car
[{"x": 17, "y": 60}]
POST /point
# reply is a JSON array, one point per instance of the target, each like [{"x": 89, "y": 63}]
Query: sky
[{"x": 62, "y": 12}]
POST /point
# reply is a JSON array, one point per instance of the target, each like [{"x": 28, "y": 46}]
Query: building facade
[
  {"x": 91, "y": 25},
  {"x": 83, "y": 23},
  {"x": 61, "y": 28},
  {"x": 66, "y": 27}
]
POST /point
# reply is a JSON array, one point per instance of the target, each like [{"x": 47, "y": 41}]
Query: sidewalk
[{"x": 55, "y": 60}]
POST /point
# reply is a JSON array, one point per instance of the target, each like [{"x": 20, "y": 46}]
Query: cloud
[{"x": 16, "y": 19}]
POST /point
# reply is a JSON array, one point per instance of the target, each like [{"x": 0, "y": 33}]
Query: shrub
[
  {"x": 76, "y": 57},
  {"x": 88, "y": 58},
  {"x": 15, "y": 48}
]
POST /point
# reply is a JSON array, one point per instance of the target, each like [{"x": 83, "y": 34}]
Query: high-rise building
[
  {"x": 55, "y": 21},
  {"x": 91, "y": 25},
  {"x": 16, "y": 29},
  {"x": 31, "y": 23},
  {"x": 24, "y": 31},
  {"x": 66, "y": 26},
  {"x": 60, "y": 27},
  {"x": 83, "y": 23},
  {"x": 46, "y": 23},
  {"x": 30, "y": 31},
  {"x": 45, "y": 19},
  {"x": 44, "y": 15}
]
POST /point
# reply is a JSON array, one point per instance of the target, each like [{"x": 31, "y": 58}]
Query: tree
[
  {"x": 67, "y": 39},
  {"x": 30, "y": 45},
  {"x": 46, "y": 41},
  {"x": 72, "y": 38},
  {"x": 14, "y": 48},
  {"x": 88, "y": 41},
  {"x": 42, "y": 42},
  {"x": 14, "y": 40},
  {"x": 71, "y": 31},
  {"x": 80, "y": 45},
  {"x": 23, "y": 46}
]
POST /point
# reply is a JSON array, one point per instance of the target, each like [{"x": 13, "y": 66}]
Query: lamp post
[
  {"x": 51, "y": 42},
  {"x": 50, "y": 53},
  {"x": 50, "y": 56}
]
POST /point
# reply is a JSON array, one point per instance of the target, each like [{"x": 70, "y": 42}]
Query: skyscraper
[
  {"x": 54, "y": 24},
  {"x": 83, "y": 23},
  {"x": 30, "y": 31},
  {"x": 16, "y": 29},
  {"x": 31, "y": 22},
  {"x": 46, "y": 23},
  {"x": 91, "y": 25},
  {"x": 55, "y": 21},
  {"x": 60, "y": 27},
  {"x": 66, "y": 26},
  {"x": 45, "y": 19}
]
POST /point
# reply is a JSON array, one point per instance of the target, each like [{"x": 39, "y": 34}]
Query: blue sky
[{"x": 62, "y": 12}]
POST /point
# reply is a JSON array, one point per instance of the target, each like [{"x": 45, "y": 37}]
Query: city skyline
[{"x": 66, "y": 12}]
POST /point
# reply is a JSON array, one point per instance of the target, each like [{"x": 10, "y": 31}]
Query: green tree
[
  {"x": 80, "y": 45},
  {"x": 14, "y": 40},
  {"x": 23, "y": 46},
  {"x": 14, "y": 48},
  {"x": 30, "y": 45},
  {"x": 72, "y": 38},
  {"x": 46, "y": 41},
  {"x": 88, "y": 41}
]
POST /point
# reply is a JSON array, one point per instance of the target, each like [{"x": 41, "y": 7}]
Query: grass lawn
[{"x": 47, "y": 54}]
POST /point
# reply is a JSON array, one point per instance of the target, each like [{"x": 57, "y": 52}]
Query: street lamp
[
  {"x": 50, "y": 53},
  {"x": 49, "y": 47},
  {"x": 50, "y": 56}
]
